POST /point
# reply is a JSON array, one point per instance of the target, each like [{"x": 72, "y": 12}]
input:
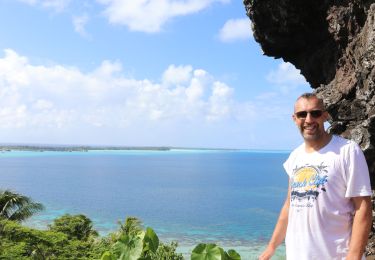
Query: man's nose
[{"x": 308, "y": 118}]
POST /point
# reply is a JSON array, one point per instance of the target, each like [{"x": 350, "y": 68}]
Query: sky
[{"x": 180, "y": 73}]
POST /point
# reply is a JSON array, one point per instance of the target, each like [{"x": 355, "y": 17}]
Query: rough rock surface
[{"x": 332, "y": 42}]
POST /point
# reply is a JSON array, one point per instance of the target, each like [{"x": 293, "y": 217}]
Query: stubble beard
[{"x": 311, "y": 137}]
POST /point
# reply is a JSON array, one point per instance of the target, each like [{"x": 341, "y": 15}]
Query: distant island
[
  {"x": 76, "y": 148},
  {"x": 86, "y": 148}
]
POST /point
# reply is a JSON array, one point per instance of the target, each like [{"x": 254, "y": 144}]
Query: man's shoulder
[
  {"x": 298, "y": 149},
  {"x": 340, "y": 139},
  {"x": 345, "y": 147},
  {"x": 342, "y": 142}
]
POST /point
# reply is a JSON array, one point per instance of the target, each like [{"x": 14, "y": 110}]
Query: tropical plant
[
  {"x": 134, "y": 243},
  {"x": 213, "y": 252},
  {"x": 20, "y": 242},
  {"x": 72, "y": 237},
  {"x": 17, "y": 207},
  {"x": 131, "y": 226},
  {"x": 23, "y": 242},
  {"x": 75, "y": 227},
  {"x": 167, "y": 252}
]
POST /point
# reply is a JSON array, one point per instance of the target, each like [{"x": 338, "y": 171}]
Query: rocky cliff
[{"x": 333, "y": 44}]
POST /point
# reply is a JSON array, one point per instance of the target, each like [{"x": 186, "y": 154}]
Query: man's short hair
[{"x": 309, "y": 95}]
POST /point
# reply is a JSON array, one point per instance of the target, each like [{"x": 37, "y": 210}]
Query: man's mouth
[{"x": 310, "y": 128}]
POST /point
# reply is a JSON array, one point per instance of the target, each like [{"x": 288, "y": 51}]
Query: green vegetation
[
  {"x": 132, "y": 242},
  {"x": 19, "y": 242},
  {"x": 213, "y": 252},
  {"x": 75, "y": 227},
  {"x": 14, "y": 206},
  {"x": 73, "y": 237}
]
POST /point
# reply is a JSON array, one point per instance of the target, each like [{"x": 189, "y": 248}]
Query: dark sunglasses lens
[
  {"x": 301, "y": 114},
  {"x": 316, "y": 113}
]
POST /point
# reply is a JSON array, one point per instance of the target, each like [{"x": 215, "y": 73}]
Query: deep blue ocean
[{"x": 231, "y": 198}]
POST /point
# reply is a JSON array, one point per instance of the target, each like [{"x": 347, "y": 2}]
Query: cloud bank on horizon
[
  {"x": 65, "y": 98},
  {"x": 185, "y": 105},
  {"x": 57, "y": 96}
]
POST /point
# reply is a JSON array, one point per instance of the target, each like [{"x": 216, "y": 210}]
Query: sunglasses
[{"x": 313, "y": 114}]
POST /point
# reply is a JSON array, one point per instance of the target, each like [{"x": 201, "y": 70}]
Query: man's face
[{"x": 309, "y": 116}]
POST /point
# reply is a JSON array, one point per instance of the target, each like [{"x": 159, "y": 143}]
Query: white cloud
[
  {"x": 62, "y": 97},
  {"x": 286, "y": 77},
  {"x": 150, "y": 16},
  {"x": 286, "y": 73},
  {"x": 13, "y": 117},
  {"x": 187, "y": 107},
  {"x": 79, "y": 23},
  {"x": 177, "y": 75},
  {"x": 287, "y": 84},
  {"x": 56, "y": 5},
  {"x": 198, "y": 85},
  {"x": 235, "y": 29},
  {"x": 42, "y": 104},
  {"x": 220, "y": 101}
]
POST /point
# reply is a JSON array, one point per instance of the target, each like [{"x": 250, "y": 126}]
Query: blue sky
[{"x": 183, "y": 73}]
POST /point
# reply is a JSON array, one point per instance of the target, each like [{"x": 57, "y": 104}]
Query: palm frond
[{"x": 17, "y": 207}]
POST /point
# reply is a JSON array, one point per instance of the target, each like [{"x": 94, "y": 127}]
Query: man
[{"x": 327, "y": 213}]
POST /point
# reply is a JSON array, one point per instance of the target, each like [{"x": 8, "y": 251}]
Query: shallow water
[{"x": 231, "y": 198}]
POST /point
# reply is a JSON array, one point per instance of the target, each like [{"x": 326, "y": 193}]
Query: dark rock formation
[{"x": 332, "y": 42}]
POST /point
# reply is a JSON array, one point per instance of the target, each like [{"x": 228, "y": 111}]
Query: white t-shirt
[{"x": 321, "y": 212}]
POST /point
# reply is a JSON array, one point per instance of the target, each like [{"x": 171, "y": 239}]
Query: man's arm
[
  {"x": 361, "y": 227},
  {"x": 279, "y": 231}
]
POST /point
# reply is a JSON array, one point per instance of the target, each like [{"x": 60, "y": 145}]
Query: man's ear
[{"x": 294, "y": 118}]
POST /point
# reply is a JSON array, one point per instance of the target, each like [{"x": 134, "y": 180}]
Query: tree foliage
[
  {"x": 64, "y": 240},
  {"x": 75, "y": 227},
  {"x": 135, "y": 243},
  {"x": 17, "y": 207},
  {"x": 73, "y": 237},
  {"x": 20, "y": 242},
  {"x": 213, "y": 252}
]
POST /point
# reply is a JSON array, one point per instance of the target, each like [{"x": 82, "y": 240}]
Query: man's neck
[{"x": 316, "y": 145}]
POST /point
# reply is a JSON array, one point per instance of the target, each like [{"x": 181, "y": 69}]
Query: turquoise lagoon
[{"x": 228, "y": 197}]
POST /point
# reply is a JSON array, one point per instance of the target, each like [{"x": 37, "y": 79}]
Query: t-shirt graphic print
[{"x": 307, "y": 182}]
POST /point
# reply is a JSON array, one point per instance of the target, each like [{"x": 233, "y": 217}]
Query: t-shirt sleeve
[
  {"x": 286, "y": 165},
  {"x": 358, "y": 179}
]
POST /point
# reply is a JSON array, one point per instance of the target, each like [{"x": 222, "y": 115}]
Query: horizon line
[{"x": 124, "y": 147}]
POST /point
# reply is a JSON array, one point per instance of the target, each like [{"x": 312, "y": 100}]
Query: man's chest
[{"x": 315, "y": 179}]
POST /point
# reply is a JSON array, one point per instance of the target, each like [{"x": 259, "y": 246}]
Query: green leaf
[
  {"x": 106, "y": 256},
  {"x": 207, "y": 252},
  {"x": 151, "y": 240},
  {"x": 129, "y": 247},
  {"x": 75, "y": 227},
  {"x": 233, "y": 255},
  {"x": 17, "y": 207}
]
